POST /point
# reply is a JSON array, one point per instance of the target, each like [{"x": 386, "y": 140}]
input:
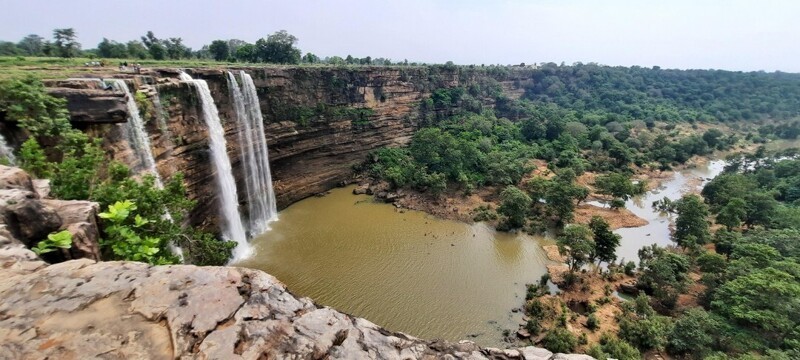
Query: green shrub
[
  {"x": 592, "y": 322},
  {"x": 560, "y": 340},
  {"x": 59, "y": 240}
]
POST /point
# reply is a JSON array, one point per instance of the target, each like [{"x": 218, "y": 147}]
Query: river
[{"x": 430, "y": 278}]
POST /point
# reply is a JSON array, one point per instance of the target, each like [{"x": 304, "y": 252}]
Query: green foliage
[
  {"x": 640, "y": 326},
  {"x": 592, "y": 322},
  {"x": 277, "y": 48},
  {"x": 219, "y": 50},
  {"x": 618, "y": 186},
  {"x": 666, "y": 95},
  {"x": 515, "y": 205},
  {"x": 664, "y": 274},
  {"x": 766, "y": 299},
  {"x": 124, "y": 240},
  {"x": 559, "y": 340},
  {"x": 693, "y": 334},
  {"x": 611, "y": 347},
  {"x": 605, "y": 241},
  {"x": 691, "y": 226},
  {"x": 59, "y": 240},
  {"x": 484, "y": 213},
  {"x": 576, "y": 242}
]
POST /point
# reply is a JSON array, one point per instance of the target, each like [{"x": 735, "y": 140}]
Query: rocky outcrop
[
  {"x": 28, "y": 218},
  {"x": 84, "y": 309},
  {"x": 87, "y": 102}
]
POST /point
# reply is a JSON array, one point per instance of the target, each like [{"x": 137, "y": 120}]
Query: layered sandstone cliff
[{"x": 319, "y": 122}]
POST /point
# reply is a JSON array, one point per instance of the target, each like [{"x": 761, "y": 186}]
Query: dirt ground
[{"x": 619, "y": 218}]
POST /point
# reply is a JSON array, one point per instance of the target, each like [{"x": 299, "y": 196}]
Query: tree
[
  {"x": 154, "y": 46},
  {"x": 65, "y": 42},
  {"x": 766, "y": 299},
  {"x": 576, "y": 242},
  {"x": 664, "y": 274},
  {"x": 310, "y": 58},
  {"x": 137, "y": 50},
  {"x": 693, "y": 334},
  {"x": 515, "y": 206},
  {"x": 111, "y": 49},
  {"x": 640, "y": 326},
  {"x": 732, "y": 214},
  {"x": 560, "y": 340},
  {"x": 691, "y": 226},
  {"x": 761, "y": 208},
  {"x": 605, "y": 241},
  {"x": 616, "y": 185},
  {"x": 219, "y": 49},
  {"x": 278, "y": 48},
  {"x": 32, "y": 45},
  {"x": 246, "y": 53},
  {"x": 176, "y": 50},
  {"x": 712, "y": 137},
  {"x": 8, "y": 48}
]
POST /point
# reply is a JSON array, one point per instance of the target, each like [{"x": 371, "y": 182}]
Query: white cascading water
[
  {"x": 253, "y": 145},
  {"x": 6, "y": 151},
  {"x": 139, "y": 141},
  {"x": 137, "y": 136},
  {"x": 233, "y": 229}
]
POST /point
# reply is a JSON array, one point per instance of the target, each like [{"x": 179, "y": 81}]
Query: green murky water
[{"x": 408, "y": 272}]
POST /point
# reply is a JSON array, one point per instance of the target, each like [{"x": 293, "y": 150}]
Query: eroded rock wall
[{"x": 319, "y": 123}]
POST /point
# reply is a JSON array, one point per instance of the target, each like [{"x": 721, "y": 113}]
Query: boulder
[
  {"x": 360, "y": 190},
  {"x": 27, "y": 218},
  {"x": 42, "y": 188},
  {"x": 80, "y": 219},
  {"x": 628, "y": 287},
  {"x": 15, "y": 178}
]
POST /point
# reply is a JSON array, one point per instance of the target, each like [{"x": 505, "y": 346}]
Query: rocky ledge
[{"x": 83, "y": 309}]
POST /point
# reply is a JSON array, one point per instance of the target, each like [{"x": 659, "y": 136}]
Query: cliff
[
  {"x": 319, "y": 122},
  {"x": 82, "y": 309}
]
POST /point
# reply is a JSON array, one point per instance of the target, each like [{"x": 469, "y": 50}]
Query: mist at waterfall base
[{"x": 253, "y": 146}]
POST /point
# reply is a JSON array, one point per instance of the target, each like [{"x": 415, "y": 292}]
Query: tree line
[{"x": 277, "y": 48}]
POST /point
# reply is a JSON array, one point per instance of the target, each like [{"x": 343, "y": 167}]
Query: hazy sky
[{"x": 725, "y": 34}]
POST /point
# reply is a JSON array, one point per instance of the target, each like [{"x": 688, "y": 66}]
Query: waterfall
[
  {"x": 6, "y": 151},
  {"x": 253, "y": 146},
  {"x": 136, "y": 134},
  {"x": 233, "y": 229},
  {"x": 139, "y": 140}
]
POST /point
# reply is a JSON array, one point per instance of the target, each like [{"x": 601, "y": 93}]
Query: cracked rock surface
[{"x": 82, "y": 309}]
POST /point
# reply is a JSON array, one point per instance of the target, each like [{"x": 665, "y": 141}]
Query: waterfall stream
[
  {"x": 253, "y": 145},
  {"x": 233, "y": 228},
  {"x": 6, "y": 151},
  {"x": 136, "y": 134},
  {"x": 139, "y": 140}
]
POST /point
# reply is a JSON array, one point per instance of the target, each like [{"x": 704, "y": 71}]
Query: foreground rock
[
  {"x": 28, "y": 217},
  {"x": 84, "y": 309}
]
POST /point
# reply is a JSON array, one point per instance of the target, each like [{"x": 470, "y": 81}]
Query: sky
[{"x": 698, "y": 34}]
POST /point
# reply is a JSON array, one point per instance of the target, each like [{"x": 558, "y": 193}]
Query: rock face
[
  {"x": 319, "y": 123},
  {"x": 93, "y": 105},
  {"x": 84, "y": 309},
  {"x": 28, "y": 218}
]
